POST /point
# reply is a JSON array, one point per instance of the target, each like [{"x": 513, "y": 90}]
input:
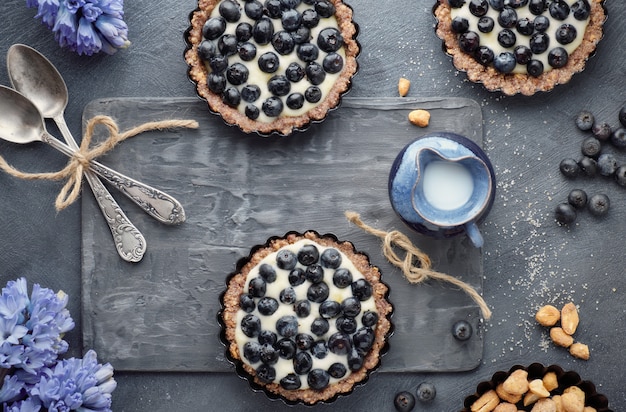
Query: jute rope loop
[
  {"x": 79, "y": 161},
  {"x": 415, "y": 265}
]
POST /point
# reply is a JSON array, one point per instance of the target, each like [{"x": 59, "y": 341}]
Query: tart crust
[
  {"x": 514, "y": 83},
  {"x": 310, "y": 396},
  {"x": 283, "y": 125}
]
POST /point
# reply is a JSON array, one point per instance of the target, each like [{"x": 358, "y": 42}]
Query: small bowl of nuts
[{"x": 536, "y": 388}]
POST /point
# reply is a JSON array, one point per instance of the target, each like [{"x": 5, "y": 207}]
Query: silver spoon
[
  {"x": 36, "y": 78},
  {"x": 21, "y": 122}
]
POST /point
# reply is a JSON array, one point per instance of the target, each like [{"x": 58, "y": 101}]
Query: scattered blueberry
[
  {"x": 426, "y": 392},
  {"x": 231, "y": 96},
  {"x": 569, "y": 167},
  {"x": 497, "y": 5},
  {"x": 310, "y": 18},
  {"x": 588, "y": 166},
  {"x": 355, "y": 360},
  {"x": 462, "y": 330},
  {"x": 565, "y": 213},
  {"x": 620, "y": 176},
  {"x": 599, "y": 204},
  {"x": 252, "y": 111},
  {"x": 607, "y": 164},
  {"x": 404, "y": 401},
  {"x": 584, "y": 120},
  {"x": 591, "y": 147},
  {"x": 206, "y": 50},
  {"x": 622, "y": 116},
  {"x": 618, "y": 138},
  {"x": 577, "y": 198},
  {"x": 602, "y": 131},
  {"x": 332, "y": 63}
]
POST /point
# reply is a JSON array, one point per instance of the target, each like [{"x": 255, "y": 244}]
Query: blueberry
[
  {"x": 283, "y": 42},
  {"x": 291, "y": 382},
  {"x": 206, "y": 50},
  {"x": 286, "y": 259},
  {"x": 295, "y": 101},
  {"x": 522, "y": 54},
  {"x": 318, "y": 379},
  {"x": 247, "y": 51},
  {"x": 230, "y": 11},
  {"x": 558, "y": 57},
  {"x": 565, "y": 213},
  {"x": 426, "y": 392},
  {"x": 339, "y": 343},
  {"x": 569, "y": 167},
  {"x": 559, "y": 9},
  {"x": 267, "y": 337},
  {"x": 525, "y": 26},
  {"x": 516, "y": 3},
  {"x": 460, "y": 24},
  {"x": 227, "y": 44},
  {"x": 507, "y": 38},
  {"x": 253, "y": 9},
  {"x": 363, "y": 339},
  {"x": 484, "y": 55},
  {"x": 369, "y": 318},
  {"x": 332, "y": 63},
  {"x": 331, "y": 258},
  {"x": 267, "y": 306},
  {"x": 330, "y": 309},
  {"x": 591, "y": 147},
  {"x": 602, "y": 131},
  {"x": 456, "y": 3},
  {"x": 342, "y": 278},
  {"x": 404, "y": 401},
  {"x": 319, "y": 349},
  {"x": 507, "y": 18},
  {"x": 266, "y": 373},
  {"x": 618, "y": 138},
  {"x": 539, "y": 42},
  {"x": 251, "y": 325},
  {"x": 577, "y": 198},
  {"x": 269, "y": 355},
  {"x": 469, "y": 41},
  {"x": 315, "y": 73},
  {"x": 313, "y": 94},
  {"x": 622, "y": 116},
  {"x": 301, "y": 35},
  {"x": 581, "y": 10},
  {"x": 263, "y": 30},
  {"x": 246, "y": 302},
  {"x": 351, "y": 306},
  {"x": 504, "y": 62},
  {"x": 462, "y": 330},
  {"x": 337, "y": 370},
  {"x": 355, "y": 360},
  {"x": 296, "y": 277},
  {"x": 288, "y": 296},
  {"x": 324, "y": 8},
  {"x": 251, "y": 93},
  {"x": 310, "y": 18},
  {"x": 289, "y": 4},
  {"x": 279, "y": 85},
  {"x": 584, "y": 120},
  {"x": 237, "y": 74},
  {"x": 304, "y": 341},
  {"x": 252, "y": 111},
  {"x": 607, "y": 164},
  {"x": 302, "y": 308},
  {"x": 302, "y": 363},
  {"x": 361, "y": 289},
  {"x": 308, "y": 255},
  {"x": 257, "y": 287},
  {"x": 291, "y": 19},
  {"x": 588, "y": 166},
  {"x": 485, "y": 24},
  {"x": 286, "y": 348},
  {"x": 537, "y": 7},
  {"x": 541, "y": 23},
  {"x": 216, "y": 82},
  {"x": 243, "y": 32},
  {"x": 318, "y": 292},
  {"x": 307, "y": 52},
  {"x": 620, "y": 176},
  {"x": 287, "y": 326},
  {"x": 497, "y": 5},
  {"x": 294, "y": 72},
  {"x": 478, "y": 7},
  {"x": 218, "y": 63},
  {"x": 274, "y": 8},
  {"x": 214, "y": 28},
  {"x": 268, "y": 62},
  {"x": 565, "y": 34},
  {"x": 319, "y": 326},
  {"x": 599, "y": 204},
  {"x": 252, "y": 351},
  {"x": 346, "y": 324}
]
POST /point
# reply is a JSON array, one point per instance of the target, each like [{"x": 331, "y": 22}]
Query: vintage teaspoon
[
  {"x": 36, "y": 78},
  {"x": 21, "y": 122}
]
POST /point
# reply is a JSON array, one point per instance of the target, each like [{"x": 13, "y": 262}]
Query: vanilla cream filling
[
  {"x": 285, "y": 366},
  {"x": 491, "y": 39},
  {"x": 260, "y": 78}
]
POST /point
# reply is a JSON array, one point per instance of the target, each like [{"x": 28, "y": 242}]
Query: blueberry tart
[
  {"x": 272, "y": 66},
  {"x": 520, "y": 46},
  {"x": 305, "y": 317}
]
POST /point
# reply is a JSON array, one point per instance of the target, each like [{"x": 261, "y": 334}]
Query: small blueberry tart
[
  {"x": 272, "y": 66},
  {"x": 305, "y": 318},
  {"x": 520, "y": 46}
]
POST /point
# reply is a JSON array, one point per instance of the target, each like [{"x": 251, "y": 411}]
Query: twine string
[
  {"x": 415, "y": 265},
  {"x": 79, "y": 162}
]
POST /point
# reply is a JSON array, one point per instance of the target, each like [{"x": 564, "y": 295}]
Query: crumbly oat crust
[
  {"x": 361, "y": 262},
  {"x": 514, "y": 83},
  {"x": 282, "y": 125}
]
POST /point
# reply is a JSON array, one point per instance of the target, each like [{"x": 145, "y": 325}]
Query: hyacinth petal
[
  {"x": 65, "y": 28},
  {"x": 88, "y": 41},
  {"x": 114, "y": 30},
  {"x": 11, "y": 389}
]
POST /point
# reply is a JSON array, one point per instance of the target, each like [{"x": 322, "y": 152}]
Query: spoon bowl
[{"x": 20, "y": 120}]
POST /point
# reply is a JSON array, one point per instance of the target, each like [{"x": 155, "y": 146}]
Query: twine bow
[
  {"x": 416, "y": 265},
  {"x": 79, "y": 161}
]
